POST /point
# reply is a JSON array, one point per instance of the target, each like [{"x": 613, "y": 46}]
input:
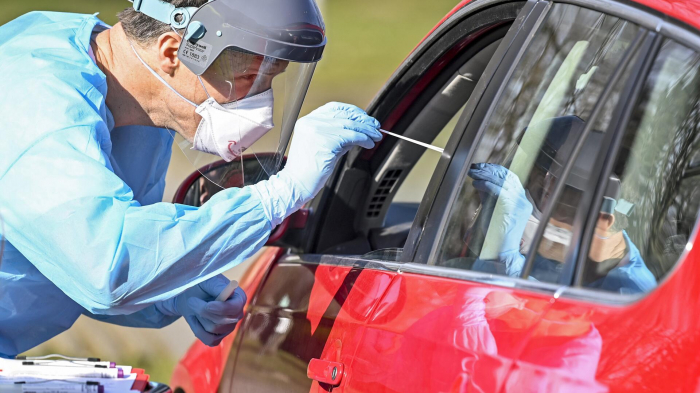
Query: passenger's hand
[
  {"x": 210, "y": 320},
  {"x": 320, "y": 139},
  {"x": 503, "y": 195}
]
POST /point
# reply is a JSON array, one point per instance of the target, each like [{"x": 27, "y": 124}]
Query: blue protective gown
[{"x": 85, "y": 231}]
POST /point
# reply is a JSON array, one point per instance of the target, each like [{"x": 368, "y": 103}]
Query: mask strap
[
  {"x": 161, "y": 78},
  {"x": 198, "y": 77},
  {"x": 203, "y": 87},
  {"x": 175, "y": 31}
]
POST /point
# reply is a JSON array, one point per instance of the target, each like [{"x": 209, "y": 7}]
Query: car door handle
[{"x": 325, "y": 371}]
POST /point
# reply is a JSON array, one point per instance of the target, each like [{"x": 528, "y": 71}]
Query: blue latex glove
[
  {"x": 320, "y": 139},
  {"x": 209, "y": 319},
  {"x": 503, "y": 198}
]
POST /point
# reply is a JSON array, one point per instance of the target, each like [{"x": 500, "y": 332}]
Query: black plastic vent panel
[{"x": 382, "y": 192}]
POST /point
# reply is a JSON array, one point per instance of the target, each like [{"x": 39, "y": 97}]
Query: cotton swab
[{"x": 419, "y": 143}]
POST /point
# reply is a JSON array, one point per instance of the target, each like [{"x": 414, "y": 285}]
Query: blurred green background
[{"x": 367, "y": 40}]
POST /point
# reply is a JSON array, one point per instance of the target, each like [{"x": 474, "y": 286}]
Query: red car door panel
[
  {"x": 646, "y": 346},
  {"x": 349, "y": 325},
  {"x": 303, "y": 311},
  {"x": 432, "y": 334}
]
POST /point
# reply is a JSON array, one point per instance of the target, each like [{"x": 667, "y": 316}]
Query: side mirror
[
  {"x": 197, "y": 188},
  {"x": 206, "y": 182}
]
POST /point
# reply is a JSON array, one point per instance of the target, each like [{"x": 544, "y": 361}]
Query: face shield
[
  {"x": 255, "y": 61},
  {"x": 253, "y": 103}
]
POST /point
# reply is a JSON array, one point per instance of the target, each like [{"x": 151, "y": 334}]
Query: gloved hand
[
  {"x": 503, "y": 196},
  {"x": 320, "y": 139},
  {"x": 209, "y": 320}
]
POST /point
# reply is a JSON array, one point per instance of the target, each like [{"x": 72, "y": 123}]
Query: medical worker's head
[
  {"x": 224, "y": 74},
  {"x": 233, "y": 76}
]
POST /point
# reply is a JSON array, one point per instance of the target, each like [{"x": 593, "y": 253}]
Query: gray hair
[{"x": 145, "y": 30}]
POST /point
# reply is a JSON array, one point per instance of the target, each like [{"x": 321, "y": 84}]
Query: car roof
[{"x": 687, "y": 11}]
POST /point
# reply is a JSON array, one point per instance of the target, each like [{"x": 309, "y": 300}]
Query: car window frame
[
  {"x": 528, "y": 19},
  {"x": 433, "y": 213},
  {"x": 435, "y": 219}
]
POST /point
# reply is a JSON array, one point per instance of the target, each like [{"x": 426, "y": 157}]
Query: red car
[{"x": 579, "y": 277}]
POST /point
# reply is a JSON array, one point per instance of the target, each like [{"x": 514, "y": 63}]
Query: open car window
[
  {"x": 405, "y": 203},
  {"x": 408, "y": 168}
]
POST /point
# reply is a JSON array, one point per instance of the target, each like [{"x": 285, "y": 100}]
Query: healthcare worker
[
  {"x": 614, "y": 262},
  {"x": 87, "y": 115}
]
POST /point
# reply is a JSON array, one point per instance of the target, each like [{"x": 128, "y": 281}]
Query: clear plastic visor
[{"x": 247, "y": 120}]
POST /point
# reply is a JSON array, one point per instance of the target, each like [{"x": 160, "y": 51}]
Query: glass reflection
[
  {"x": 528, "y": 141},
  {"x": 659, "y": 180}
]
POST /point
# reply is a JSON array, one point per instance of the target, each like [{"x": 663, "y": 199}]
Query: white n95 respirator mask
[{"x": 227, "y": 130}]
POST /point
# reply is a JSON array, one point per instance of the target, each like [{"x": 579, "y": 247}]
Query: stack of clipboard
[{"x": 62, "y": 374}]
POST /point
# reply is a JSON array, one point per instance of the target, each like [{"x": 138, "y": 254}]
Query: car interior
[{"x": 381, "y": 195}]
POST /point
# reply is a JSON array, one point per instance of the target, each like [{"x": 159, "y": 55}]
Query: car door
[
  {"x": 640, "y": 314},
  {"x": 309, "y": 314},
  {"x": 475, "y": 306}
]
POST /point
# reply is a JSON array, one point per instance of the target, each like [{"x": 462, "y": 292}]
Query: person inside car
[{"x": 514, "y": 213}]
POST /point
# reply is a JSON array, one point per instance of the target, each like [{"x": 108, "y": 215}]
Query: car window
[
  {"x": 526, "y": 143},
  {"x": 406, "y": 172},
  {"x": 652, "y": 197},
  {"x": 411, "y": 191}
]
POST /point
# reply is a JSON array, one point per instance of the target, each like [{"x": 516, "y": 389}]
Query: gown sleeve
[
  {"x": 148, "y": 317},
  {"x": 78, "y": 223}
]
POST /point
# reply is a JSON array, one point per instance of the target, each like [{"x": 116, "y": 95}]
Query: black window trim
[
  {"x": 421, "y": 269},
  {"x": 429, "y": 199}
]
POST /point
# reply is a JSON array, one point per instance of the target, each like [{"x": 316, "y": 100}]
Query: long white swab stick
[
  {"x": 227, "y": 292},
  {"x": 419, "y": 143}
]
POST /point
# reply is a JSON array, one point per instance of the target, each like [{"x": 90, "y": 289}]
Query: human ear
[{"x": 167, "y": 45}]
